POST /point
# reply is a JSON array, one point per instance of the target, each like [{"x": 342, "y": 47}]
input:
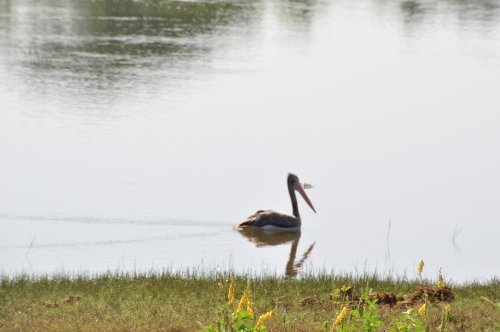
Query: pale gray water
[{"x": 134, "y": 137}]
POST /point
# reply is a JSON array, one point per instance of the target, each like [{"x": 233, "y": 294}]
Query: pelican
[{"x": 271, "y": 219}]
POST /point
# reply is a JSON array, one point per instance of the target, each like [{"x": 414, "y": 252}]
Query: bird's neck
[{"x": 295, "y": 205}]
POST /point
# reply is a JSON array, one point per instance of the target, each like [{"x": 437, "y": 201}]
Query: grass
[{"x": 189, "y": 302}]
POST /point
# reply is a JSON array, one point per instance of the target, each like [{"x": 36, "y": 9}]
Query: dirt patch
[
  {"x": 422, "y": 293},
  {"x": 308, "y": 301},
  {"x": 384, "y": 298},
  {"x": 68, "y": 299},
  {"x": 440, "y": 294},
  {"x": 50, "y": 304},
  {"x": 404, "y": 304}
]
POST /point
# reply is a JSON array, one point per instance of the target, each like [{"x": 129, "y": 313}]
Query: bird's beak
[{"x": 300, "y": 189}]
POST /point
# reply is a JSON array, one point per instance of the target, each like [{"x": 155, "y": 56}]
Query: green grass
[{"x": 187, "y": 302}]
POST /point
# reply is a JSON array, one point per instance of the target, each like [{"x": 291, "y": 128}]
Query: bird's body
[
  {"x": 268, "y": 219},
  {"x": 271, "y": 219}
]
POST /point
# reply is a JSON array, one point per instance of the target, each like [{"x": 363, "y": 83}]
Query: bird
[{"x": 268, "y": 219}]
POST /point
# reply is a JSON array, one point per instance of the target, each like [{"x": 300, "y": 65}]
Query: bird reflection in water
[{"x": 263, "y": 238}]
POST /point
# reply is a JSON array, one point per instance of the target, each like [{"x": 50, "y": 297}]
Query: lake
[{"x": 134, "y": 136}]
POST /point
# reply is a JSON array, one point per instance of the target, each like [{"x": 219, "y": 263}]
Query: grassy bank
[{"x": 183, "y": 302}]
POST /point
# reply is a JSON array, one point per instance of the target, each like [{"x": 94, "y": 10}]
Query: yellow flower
[
  {"x": 243, "y": 301},
  {"x": 250, "y": 306},
  {"x": 447, "y": 308},
  {"x": 422, "y": 309},
  {"x": 420, "y": 267},
  {"x": 440, "y": 282},
  {"x": 340, "y": 317},
  {"x": 264, "y": 317},
  {"x": 246, "y": 302},
  {"x": 230, "y": 294}
]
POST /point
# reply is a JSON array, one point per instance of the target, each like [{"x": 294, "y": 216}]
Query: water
[{"x": 135, "y": 135}]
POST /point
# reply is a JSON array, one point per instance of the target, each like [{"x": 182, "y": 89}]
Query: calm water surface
[{"x": 135, "y": 135}]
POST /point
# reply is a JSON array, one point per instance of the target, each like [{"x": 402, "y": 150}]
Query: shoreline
[{"x": 190, "y": 301}]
